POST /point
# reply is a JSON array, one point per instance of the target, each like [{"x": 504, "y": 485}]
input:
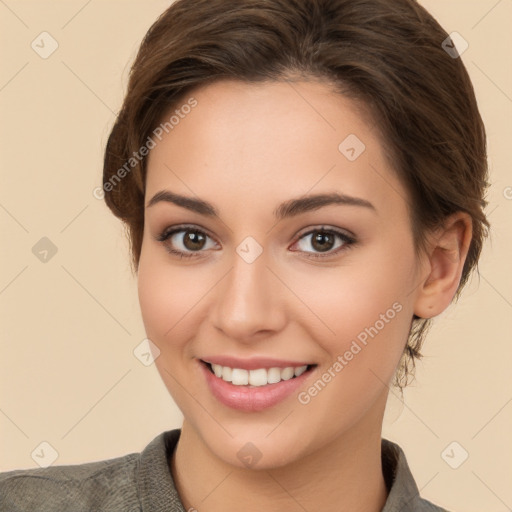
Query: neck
[{"x": 345, "y": 475}]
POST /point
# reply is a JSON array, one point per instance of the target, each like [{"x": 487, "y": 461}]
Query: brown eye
[
  {"x": 193, "y": 240},
  {"x": 324, "y": 242},
  {"x": 184, "y": 241}
]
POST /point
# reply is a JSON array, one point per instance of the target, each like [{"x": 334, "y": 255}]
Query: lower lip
[{"x": 253, "y": 399}]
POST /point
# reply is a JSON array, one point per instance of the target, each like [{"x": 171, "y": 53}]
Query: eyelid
[
  {"x": 326, "y": 227},
  {"x": 166, "y": 232}
]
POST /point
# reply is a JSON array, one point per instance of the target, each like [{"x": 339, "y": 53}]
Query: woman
[{"x": 303, "y": 183}]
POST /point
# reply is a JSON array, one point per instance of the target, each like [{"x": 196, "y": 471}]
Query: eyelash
[{"x": 167, "y": 233}]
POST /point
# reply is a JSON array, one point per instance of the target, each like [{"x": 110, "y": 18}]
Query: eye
[
  {"x": 184, "y": 241},
  {"x": 189, "y": 241},
  {"x": 324, "y": 240}
]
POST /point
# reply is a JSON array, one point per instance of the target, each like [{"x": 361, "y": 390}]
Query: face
[{"x": 271, "y": 279}]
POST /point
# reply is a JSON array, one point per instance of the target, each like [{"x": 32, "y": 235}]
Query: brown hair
[{"x": 388, "y": 55}]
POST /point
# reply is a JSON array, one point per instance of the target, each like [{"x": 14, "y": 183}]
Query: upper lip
[{"x": 253, "y": 363}]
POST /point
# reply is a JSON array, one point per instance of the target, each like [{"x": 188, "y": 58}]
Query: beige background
[{"x": 68, "y": 375}]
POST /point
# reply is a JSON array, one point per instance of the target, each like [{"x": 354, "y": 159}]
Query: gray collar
[{"x": 158, "y": 493}]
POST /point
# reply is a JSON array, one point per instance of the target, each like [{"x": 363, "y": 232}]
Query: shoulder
[
  {"x": 403, "y": 491},
  {"x": 101, "y": 485},
  {"x": 132, "y": 483}
]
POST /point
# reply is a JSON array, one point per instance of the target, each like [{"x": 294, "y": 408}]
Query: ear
[{"x": 448, "y": 248}]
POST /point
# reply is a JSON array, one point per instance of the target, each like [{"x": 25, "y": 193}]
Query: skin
[{"x": 246, "y": 148}]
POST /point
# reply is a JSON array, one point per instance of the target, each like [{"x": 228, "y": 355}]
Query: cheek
[
  {"x": 368, "y": 318},
  {"x": 167, "y": 296},
  {"x": 365, "y": 307}
]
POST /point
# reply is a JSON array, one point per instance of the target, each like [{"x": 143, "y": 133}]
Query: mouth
[
  {"x": 265, "y": 377},
  {"x": 258, "y": 388}
]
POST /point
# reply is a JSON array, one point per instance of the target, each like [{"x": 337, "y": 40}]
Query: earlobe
[{"x": 448, "y": 250}]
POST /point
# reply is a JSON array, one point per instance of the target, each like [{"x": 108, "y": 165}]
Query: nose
[{"x": 249, "y": 302}]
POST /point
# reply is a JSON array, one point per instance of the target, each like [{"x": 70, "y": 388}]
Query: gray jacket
[{"x": 142, "y": 482}]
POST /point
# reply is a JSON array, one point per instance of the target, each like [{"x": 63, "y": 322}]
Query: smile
[
  {"x": 255, "y": 389},
  {"x": 257, "y": 377}
]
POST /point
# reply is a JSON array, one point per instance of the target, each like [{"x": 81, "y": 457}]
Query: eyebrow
[{"x": 288, "y": 208}]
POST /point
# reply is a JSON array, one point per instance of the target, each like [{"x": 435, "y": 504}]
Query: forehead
[{"x": 271, "y": 140}]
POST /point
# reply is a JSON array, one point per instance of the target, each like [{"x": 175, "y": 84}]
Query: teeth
[
  {"x": 226, "y": 373},
  {"x": 287, "y": 373},
  {"x": 259, "y": 377},
  {"x": 300, "y": 370},
  {"x": 239, "y": 377},
  {"x": 273, "y": 375}
]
